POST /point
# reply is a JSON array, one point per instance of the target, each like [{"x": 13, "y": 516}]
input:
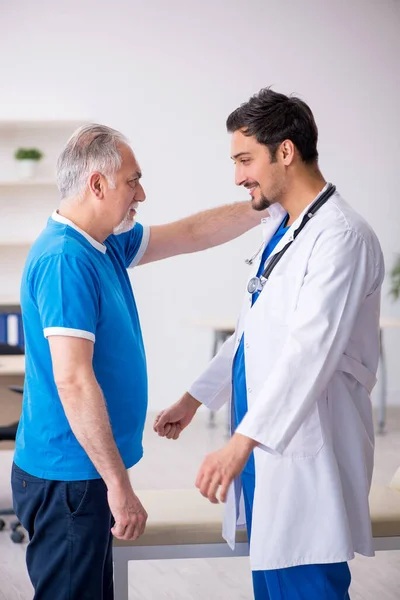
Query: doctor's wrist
[
  {"x": 191, "y": 402},
  {"x": 243, "y": 443}
]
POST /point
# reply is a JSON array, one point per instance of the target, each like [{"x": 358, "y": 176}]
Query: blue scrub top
[{"x": 239, "y": 370}]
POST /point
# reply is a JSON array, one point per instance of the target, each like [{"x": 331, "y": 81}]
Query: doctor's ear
[
  {"x": 287, "y": 150},
  {"x": 97, "y": 185}
]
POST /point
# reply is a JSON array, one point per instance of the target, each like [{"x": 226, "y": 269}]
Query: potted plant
[
  {"x": 395, "y": 279},
  {"x": 27, "y": 160}
]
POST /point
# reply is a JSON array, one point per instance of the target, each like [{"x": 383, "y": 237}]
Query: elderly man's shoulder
[{"x": 65, "y": 254}]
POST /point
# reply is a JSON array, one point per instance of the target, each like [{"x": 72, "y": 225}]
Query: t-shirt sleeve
[
  {"x": 66, "y": 292},
  {"x": 133, "y": 244}
]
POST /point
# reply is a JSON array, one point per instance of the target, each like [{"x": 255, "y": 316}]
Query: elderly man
[
  {"x": 300, "y": 368},
  {"x": 85, "y": 392}
]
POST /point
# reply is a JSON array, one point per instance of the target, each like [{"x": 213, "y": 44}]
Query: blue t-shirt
[
  {"x": 75, "y": 286},
  {"x": 239, "y": 370}
]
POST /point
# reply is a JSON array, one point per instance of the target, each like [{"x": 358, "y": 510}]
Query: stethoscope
[
  {"x": 256, "y": 284},
  {"x": 249, "y": 261}
]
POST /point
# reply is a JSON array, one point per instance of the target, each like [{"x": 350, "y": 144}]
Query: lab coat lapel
[
  {"x": 270, "y": 224},
  {"x": 280, "y": 214}
]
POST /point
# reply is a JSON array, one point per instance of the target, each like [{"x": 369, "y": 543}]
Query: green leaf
[
  {"x": 395, "y": 279},
  {"x": 28, "y": 154}
]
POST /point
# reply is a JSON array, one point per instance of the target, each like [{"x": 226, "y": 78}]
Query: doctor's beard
[{"x": 261, "y": 203}]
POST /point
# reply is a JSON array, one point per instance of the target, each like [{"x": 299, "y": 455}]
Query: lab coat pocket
[{"x": 309, "y": 439}]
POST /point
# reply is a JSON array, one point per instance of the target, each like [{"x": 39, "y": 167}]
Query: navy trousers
[
  {"x": 305, "y": 582},
  {"x": 69, "y": 555}
]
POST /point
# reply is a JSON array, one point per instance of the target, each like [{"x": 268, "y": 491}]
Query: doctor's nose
[{"x": 240, "y": 178}]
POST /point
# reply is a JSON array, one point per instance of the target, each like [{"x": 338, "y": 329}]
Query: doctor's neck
[{"x": 303, "y": 187}]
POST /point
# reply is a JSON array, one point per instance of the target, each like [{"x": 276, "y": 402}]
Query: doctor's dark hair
[{"x": 273, "y": 118}]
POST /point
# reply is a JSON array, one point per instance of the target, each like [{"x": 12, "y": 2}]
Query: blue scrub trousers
[{"x": 305, "y": 582}]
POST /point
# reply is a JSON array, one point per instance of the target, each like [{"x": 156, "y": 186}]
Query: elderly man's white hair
[{"x": 91, "y": 148}]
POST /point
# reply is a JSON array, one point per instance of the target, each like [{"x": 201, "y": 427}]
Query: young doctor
[{"x": 298, "y": 370}]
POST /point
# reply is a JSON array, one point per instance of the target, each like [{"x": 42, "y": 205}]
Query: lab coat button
[{"x": 249, "y": 390}]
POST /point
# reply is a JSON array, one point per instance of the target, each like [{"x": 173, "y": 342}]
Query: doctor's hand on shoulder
[
  {"x": 172, "y": 421},
  {"x": 220, "y": 468}
]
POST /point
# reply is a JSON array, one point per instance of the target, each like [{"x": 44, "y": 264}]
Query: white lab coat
[{"x": 311, "y": 355}]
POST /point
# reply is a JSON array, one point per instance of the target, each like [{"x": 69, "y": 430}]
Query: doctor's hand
[
  {"x": 171, "y": 422},
  {"x": 220, "y": 468}
]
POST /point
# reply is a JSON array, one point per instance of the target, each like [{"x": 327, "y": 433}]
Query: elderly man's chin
[{"x": 126, "y": 225}]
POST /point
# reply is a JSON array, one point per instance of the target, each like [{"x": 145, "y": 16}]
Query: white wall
[{"x": 167, "y": 74}]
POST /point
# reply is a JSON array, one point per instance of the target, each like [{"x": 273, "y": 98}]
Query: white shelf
[
  {"x": 27, "y": 204},
  {"x": 9, "y": 301},
  {"x": 27, "y": 182},
  {"x": 12, "y": 364},
  {"x": 12, "y": 243}
]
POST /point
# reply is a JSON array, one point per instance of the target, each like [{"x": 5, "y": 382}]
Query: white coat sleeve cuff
[
  {"x": 214, "y": 387},
  {"x": 265, "y": 442},
  {"x": 200, "y": 390}
]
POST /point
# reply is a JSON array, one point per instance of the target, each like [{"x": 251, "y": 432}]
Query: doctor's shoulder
[
  {"x": 343, "y": 217},
  {"x": 351, "y": 231}
]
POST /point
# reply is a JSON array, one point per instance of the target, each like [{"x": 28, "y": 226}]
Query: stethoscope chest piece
[{"x": 255, "y": 285}]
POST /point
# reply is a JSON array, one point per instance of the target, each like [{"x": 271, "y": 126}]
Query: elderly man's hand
[
  {"x": 128, "y": 512},
  {"x": 220, "y": 468},
  {"x": 172, "y": 421}
]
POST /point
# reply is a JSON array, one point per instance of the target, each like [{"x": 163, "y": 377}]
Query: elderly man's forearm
[
  {"x": 219, "y": 225},
  {"x": 86, "y": 411}
]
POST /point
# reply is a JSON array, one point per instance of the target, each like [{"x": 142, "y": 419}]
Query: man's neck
[
  {"x": 301, "y": 194},
  {"x": 84, "y": 218}
]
